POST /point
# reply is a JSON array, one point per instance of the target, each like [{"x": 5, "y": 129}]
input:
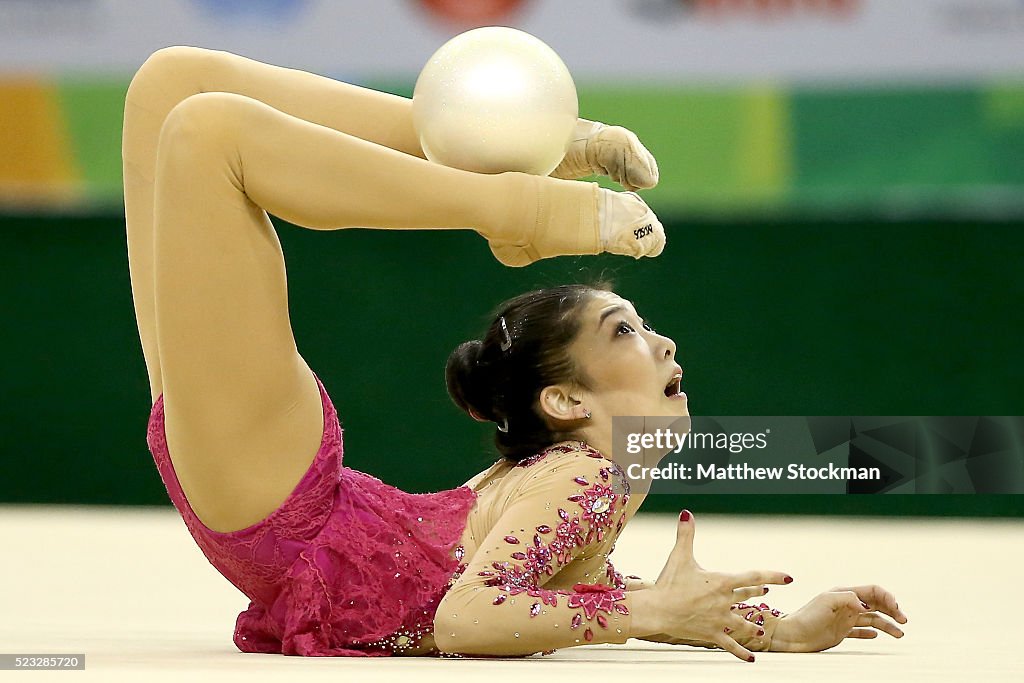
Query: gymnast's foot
[
  {"x": 613, "y": 151},
  {"x": 578, "y": 218},
  {"x": 628, "y": 226}
]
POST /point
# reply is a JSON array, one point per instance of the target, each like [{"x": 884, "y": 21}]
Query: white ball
[{"x": 495, "y": 99}]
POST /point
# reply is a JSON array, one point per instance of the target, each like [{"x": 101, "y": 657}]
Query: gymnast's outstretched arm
[{"x": 502, "y": 603}]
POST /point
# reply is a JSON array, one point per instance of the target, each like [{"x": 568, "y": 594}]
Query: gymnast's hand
[
  {"x": 612, "y": 151},
  {"x": 691, "y": 603},
  {"x": 841, "y": 613}
]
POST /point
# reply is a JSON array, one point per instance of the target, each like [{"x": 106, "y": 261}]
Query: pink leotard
[{"x": 343, "y": 565}]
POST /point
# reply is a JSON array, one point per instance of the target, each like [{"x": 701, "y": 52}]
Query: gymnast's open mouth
[{"x": 674, "y": 386}]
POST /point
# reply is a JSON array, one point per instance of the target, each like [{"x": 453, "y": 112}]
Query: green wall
[{"x": 809, "y": 318}]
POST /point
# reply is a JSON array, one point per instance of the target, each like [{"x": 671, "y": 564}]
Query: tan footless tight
[
  {"x": 324, "y": 181},
  {"x": 200, "y": 167}
]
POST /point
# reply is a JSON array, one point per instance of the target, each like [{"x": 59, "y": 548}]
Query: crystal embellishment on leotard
[
  {"x": 592, "y": 513},
  {"x": 595, "y": 597},
  {"x": 568, "y": 536},
  {"x": 402, "y": 640},
  {"x": 613, "y": 577},
  {"x": 579, "y": 446},
  {"x": 532, "y": 460},
  {"x": 456, "y": 575}
]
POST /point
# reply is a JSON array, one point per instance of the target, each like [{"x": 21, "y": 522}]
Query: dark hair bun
[
  {"x": 525, "y": 348},
  {"x": 466, "y": 381}
]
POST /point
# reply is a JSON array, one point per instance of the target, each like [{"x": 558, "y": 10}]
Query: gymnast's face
[{"x": 627, "y": 368}]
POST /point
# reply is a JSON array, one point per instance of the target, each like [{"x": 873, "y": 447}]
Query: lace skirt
[{"x": 347, "y": 565}]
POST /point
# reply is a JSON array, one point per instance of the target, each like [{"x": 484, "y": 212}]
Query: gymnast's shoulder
[
  {"x": 573, "y": 458},
  {"x": 573, "y": 463}
]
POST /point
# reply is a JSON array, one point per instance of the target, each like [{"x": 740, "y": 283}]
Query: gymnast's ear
[{"x": 557, "y": 403}]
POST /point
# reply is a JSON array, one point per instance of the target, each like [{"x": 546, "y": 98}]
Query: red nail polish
[
  {"x": 750, "y": 658},
  {"x": 760, "y": 632},
  {"x": 788, "y": 579},
  {"x": 684, "y": 516},
  {"x": 728, "y": 630}
]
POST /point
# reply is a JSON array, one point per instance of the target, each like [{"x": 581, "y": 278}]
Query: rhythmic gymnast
[{"x": 248, "y": 443}]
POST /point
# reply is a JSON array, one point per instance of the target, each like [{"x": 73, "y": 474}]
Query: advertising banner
[{"x": 913, "y": 107}]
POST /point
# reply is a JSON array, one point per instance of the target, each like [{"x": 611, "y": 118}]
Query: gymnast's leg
[
  {"x": 503, "y": 209},
  {"x": 323, "y": 179},
  {"x": 241, "y": 408},
  {"x": 172, "y": 74}
]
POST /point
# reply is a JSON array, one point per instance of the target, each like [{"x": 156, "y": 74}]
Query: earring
[{"x": 587, "y": 415}]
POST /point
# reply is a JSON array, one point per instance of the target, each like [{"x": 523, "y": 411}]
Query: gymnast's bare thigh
[
  {"x": 243, "y": 413},
  {"x": 238, "y": 462}
]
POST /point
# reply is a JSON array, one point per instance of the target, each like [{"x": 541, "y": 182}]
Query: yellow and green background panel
[{"x": 889, "y": 150}]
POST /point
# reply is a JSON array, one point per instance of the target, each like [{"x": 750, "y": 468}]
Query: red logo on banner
[{"x": 473, "y": 12}]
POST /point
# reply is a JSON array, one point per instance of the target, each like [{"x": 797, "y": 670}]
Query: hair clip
[
  {"x": 506, "y": 343},
  {"x": 503, "y": 425}
]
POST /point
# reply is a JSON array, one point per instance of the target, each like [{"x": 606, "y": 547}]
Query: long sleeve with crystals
[{"x": 540, "y": 579}]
